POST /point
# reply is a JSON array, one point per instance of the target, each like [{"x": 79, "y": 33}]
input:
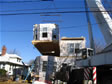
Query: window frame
[
  {"x": 43, "y": 35},
  {"x": 71, "y": 49},
  {"x": 44, "y": 66}
]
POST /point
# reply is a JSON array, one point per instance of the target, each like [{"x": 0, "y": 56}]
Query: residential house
[{"x": 12, "y": 63}]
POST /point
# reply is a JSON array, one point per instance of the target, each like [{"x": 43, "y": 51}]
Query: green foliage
[{"x": 2, "y": 72}]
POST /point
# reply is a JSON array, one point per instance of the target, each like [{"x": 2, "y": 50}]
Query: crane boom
[{"x": 103, "y": 19}]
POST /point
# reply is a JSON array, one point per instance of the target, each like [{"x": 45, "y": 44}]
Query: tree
[
  {"x": 2, "y": 72},
  {"x": 31, "y": 62},
  {"x": 14, "y": 51}
]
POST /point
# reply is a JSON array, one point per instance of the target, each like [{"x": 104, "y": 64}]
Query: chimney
[{"x": 4, "y": 49}]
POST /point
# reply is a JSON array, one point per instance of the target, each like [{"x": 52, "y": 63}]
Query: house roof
[
  {"x": 4, "y": 58},
  {"x": 7, "y": 58},
  {"x": 13, "y": 56}
]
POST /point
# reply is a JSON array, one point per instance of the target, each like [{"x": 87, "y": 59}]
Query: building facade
[
  {"x": 46, "y": 38},
  {"x": 47, "y": 32},
  {"x": 58, "y": 51},
  {"x": 47, "y": 65},
  {"x": 68, "y": 48}
]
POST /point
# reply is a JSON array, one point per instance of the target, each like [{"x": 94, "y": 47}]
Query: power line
[
  {"x": 16, "y": 31},
  {"x": 10, "y": 14},
  {"x": 31, "y": 1},
  {"x": 17, "y": 1},
  {"x": 50, "y": 15},
  {"x": 70, "y": 27},
  {"x": 28, "y": 1},
  {"x": 23, "y": 1},
  {"x": 46, "y": 9},
  {"x": 52, "y": 21},
  {"x": 32, "y": 29}
]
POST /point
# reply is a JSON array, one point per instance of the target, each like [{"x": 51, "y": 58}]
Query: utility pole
[{"x": 89, "y": 28}]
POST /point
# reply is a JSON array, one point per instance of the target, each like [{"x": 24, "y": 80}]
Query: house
[
  {"x": 46, "y": 39},
  {"x": 46, "y": 32},
  {"x": 68, "y": 48},
  {"x": 55, "y": 51},
  {"x": 12, "y": 63},
  {"x": 47, "y": 65}
]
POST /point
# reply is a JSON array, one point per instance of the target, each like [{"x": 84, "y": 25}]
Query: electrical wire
[
  {"x": 46, "y": 9},
  {"x": 53, "y": 20},
  {"x": 32, "y": 1},
  {"x": 10, "y": 14},
  {"x": 17, "y": 1},
  {"x": 27, "y": 1},
  {"x": 69, "y": 27},
  {"x": 23, "y": 1}
]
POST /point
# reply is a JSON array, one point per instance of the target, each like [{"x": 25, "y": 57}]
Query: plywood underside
[{"x": 47, "y": 47}]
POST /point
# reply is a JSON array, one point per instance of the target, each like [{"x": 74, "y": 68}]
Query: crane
[
  {"x": 103, "y": 19},
  {"x": 105, "y": 24},
  {"x": 101, "y": 60}
]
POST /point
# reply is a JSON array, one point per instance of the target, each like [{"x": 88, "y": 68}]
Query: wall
[
  {"x": 49, "y": 66},
  {"x": 66, "y": 55},
  {"x": 51, "y": 29},
  {"x": 64, "y": 47}
]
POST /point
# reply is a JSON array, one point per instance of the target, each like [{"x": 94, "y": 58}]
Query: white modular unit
[
  {"x": 46, "y": 66},
  {"x": 47, "y": 32},
  {"x": 69, "y": 45}
]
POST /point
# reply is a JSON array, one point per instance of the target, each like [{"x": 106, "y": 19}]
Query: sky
[{"x": 16, "y": 31}]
